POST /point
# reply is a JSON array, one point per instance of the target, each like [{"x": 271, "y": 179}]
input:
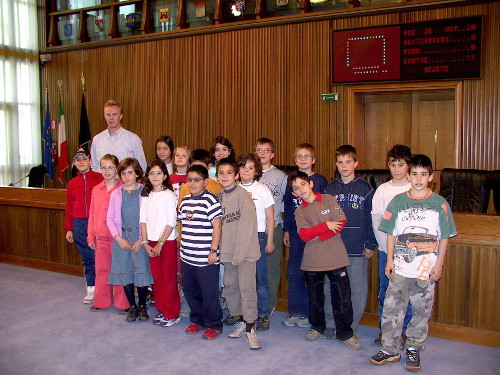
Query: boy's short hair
[
  {"x": 228, "y": 161},
  {"x": 399, "y": 152},
  {"x": 305, "y": 146},
  {"x": 264, "y": 140},
  {"x": 200, "y": 169},
  {"x": 346, "y": 150},
  {"x": 113, "y": 103},
  {"x": 130, "y": 162},
  {"x": 421, "y": 160},
  {"x": 112, "y": 158},
  {"x": 200, "y": 155},
  {"x": 296, "y": 175},
  {"x": 244, "y": 158}
]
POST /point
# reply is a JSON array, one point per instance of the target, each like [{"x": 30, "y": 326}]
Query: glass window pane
[
  {"x": 98, "y": 24},
  {"x": 129, "y": 20},
  {"x": 282, "y": 7},
  {"x": 200, "y": 13},
  {"x": 164, "y": 15},
  {"x": 68, "y": 29},
  {"x": 324, "y": 5}
]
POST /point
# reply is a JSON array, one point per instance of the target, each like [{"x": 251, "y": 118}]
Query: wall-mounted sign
[{"x": 444, "y": 49}]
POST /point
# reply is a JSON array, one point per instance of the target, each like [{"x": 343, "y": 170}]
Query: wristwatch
[{"x": 213, "y": 251}]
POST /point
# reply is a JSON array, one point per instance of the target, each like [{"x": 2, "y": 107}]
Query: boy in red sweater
[{"x": 78, "y": 195}]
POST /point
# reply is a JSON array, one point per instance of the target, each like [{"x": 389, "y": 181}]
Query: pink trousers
[
  {"x": 104, "y": 292},
  {"x": 164, "y": 270}
]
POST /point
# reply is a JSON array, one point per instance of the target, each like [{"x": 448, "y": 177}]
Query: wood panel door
[{"x": 425, "y": 121}]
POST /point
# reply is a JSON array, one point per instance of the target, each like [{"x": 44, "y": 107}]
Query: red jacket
[{"x": 78, "y": 196}]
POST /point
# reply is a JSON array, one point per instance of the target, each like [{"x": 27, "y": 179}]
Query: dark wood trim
[
  {"x": 41, "y": 265},
  {"x": 33, "y": 197}
]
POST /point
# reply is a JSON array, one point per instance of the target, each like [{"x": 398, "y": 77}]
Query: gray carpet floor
[{"x": 46, "y": 329}]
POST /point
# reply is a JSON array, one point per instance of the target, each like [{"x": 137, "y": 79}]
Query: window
[{"x": 20, "y": 127}]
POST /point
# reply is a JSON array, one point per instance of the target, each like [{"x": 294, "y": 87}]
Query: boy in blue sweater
[
  {"x": 355, "y": 197},
  {"x": 298, "y": 300}
]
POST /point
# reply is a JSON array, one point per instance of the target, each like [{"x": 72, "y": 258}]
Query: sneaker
[
  {"x": 223, "y": 303},
  {"x": 232, "y": 319},
  {"x": 253, "y": 339},
  {"x": 290, "y": 320},
  {"x": 193, "y": 328},
  {"x": 329, "y": 333},
  {"x": 313, "y": 335},
  {"x": 238, "y": 330},
  {"x": 170, "y": 322},
  {"x": 353, "y": 343},
  {"x": 158, "y": 318},
  {"x": 132, "y": 314},
  {"x": 303, "y": 322},
  {"x": 378, "y": 340},
  {"x": 143, "y": 313},
  {"x": 412, "y": 359},
  {"x": 90, "y": 295},
  {"x": 263, "y": 323},
  {"x": 383, "y": 357},
  {"x": 211, "y": 333},
  {"x": 150, "y": 297},
  {"x": 94, "y": 309}
]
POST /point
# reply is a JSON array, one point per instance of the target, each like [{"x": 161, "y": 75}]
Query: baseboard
[{"x": 41, "y": 265}]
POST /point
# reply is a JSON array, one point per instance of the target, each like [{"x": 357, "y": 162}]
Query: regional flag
[
  {"x": 62, "y": 144},
  {"x": 47, "y": 141},
  {"x": 84, "y": 137}
]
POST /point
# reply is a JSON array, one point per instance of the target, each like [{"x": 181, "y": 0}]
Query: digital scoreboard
[{"x": 444, "y": 49}]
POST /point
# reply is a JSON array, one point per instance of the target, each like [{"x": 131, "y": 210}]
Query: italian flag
[{"x": 62, "y": 144}]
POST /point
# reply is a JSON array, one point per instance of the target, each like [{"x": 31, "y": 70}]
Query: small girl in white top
[{"x": 158, "y": 218}]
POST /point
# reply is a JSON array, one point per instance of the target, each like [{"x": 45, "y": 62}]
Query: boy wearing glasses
[
  {"x": 200, "y": 215},
  {"x": 275, "y": 180},
  {"x": 298, "y": 300},
  {"x": 78, "y": 197}
]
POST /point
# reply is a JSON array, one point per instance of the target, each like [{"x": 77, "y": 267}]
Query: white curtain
[{"x": 20, "y": 116}]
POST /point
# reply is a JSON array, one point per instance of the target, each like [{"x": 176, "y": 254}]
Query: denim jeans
[
  {"x": 298, "y": 302},
  {"x": 262, "y": 282},
  {"x": 340, "y": 301},
  {"x": 87, "y": 254},
  {"x": 384, "y": 283}
]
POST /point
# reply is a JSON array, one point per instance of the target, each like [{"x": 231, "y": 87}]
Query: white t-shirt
[
  {"x": 382, "y": 197},
  {"x": 262, "y": 198},
  {"x": 158, "y": 210}
]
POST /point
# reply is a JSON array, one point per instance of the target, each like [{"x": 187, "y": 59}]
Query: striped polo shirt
[{"x": 196, "y": 214}]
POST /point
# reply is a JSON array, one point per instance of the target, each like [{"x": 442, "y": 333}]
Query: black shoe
[
  {"x": 262, "y": 323},
  {"x": 142, "y": 313},
  {"x": 94, "y": 309},
  {"x": 132, "y": 314},
  {"x": 232, "y": 320},
  {"x": 383, "y": 357},
  {"x": 412, "y": 359}
]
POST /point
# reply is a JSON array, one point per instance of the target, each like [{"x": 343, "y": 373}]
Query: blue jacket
[
  {"x": 291, "y": 202},
  {"x": 355, "y": 198}
]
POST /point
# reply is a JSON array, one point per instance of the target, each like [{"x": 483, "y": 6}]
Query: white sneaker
[
  {"x": 169, "y": 322},
  {"x": 238, "y": 330},
  {"x": 303, "y": 322},
  {"x": 90, "y": 295},
  {"x": 290, "y": 320},
  {"x": 253, "y": 339}
]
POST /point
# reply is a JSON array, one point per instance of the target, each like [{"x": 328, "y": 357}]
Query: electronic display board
[{"x": 444, "y": 49}]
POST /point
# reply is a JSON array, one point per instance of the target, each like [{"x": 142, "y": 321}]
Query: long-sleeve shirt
[
  {"x": 158, "y": 210},
  {"x": 123, "y": 144},
  {"x": 355, "y": 198},
  {"x": 239, "y": 240},
  {"x": 79, "y": 196},
  {"x": 97, "y": 226},
  {"x": 324, "y": 250}
]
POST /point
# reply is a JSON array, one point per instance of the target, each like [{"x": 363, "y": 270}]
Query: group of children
[{"x": 230, "y": 212}]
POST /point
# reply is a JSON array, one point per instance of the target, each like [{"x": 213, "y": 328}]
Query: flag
[
  {"x": 62, "y": 144},
  {"x": 47, "y": 141},
  {"x": 84, "y": 137}
]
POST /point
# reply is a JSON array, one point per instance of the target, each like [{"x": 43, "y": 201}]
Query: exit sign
[{"x": 330, "y": 97}]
